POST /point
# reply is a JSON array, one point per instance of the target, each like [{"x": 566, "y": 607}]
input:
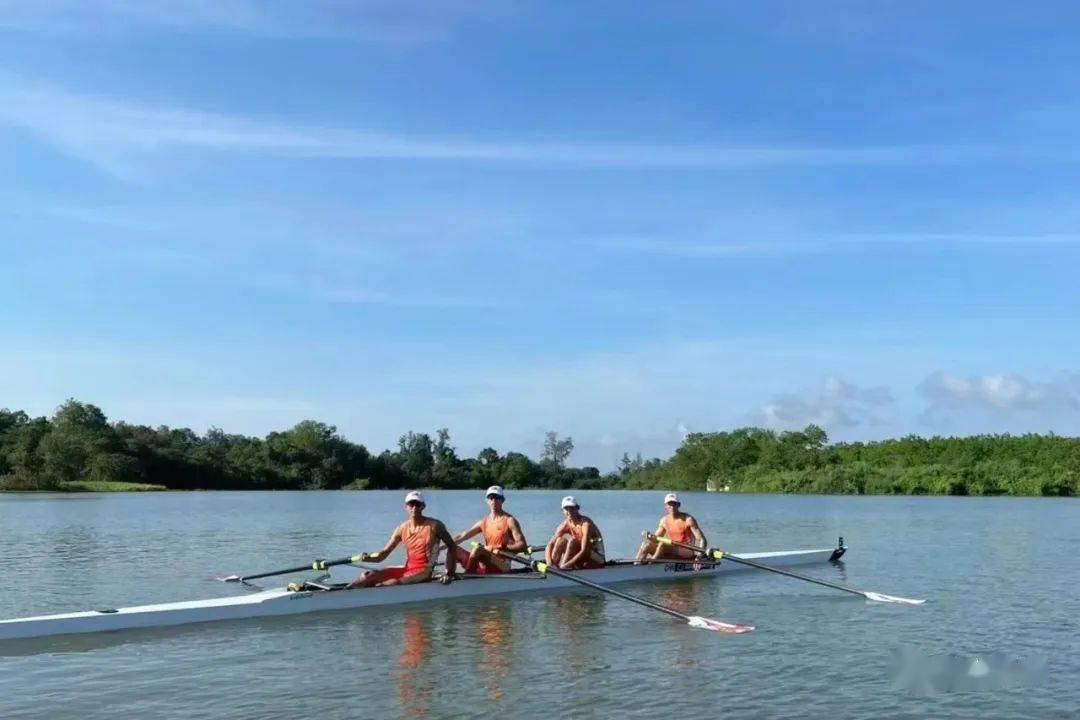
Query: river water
[{"x": 1002, "y": 576}]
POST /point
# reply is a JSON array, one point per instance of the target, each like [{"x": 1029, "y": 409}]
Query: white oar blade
[
  {"x": 881, "y": 597},
  {"x": 717, "y": 626},
  {"x": 230, "y": 578}
]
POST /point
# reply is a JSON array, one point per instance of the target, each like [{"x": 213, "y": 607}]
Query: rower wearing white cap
[
  {"x": 421, "y": 536},
  {"x": 577, "y": 542},
  {"x": 501, "y": 532},
  {"x": 680, "y": 527}
]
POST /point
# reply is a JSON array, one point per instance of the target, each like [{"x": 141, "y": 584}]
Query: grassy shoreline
[{"x": 94, "y": 486}]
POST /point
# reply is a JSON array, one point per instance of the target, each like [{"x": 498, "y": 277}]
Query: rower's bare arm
[
  {"x": 451, "y": 545},
  {"x": 661, "y": 531},
  {"x": 517, "y": 537},
  {"x": 699, "y": 536},
  {"x": 380, "y": 555},
  {"x": 466, "y": 534}
]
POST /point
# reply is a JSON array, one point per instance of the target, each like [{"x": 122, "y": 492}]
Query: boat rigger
[{"x": 313, "y": 597}]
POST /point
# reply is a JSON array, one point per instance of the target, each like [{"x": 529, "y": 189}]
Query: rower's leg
[
  {"x": 569, "y": 550},
  {"x": 417, "y": 577},
  {"x": 369, "y": 579},
  {"x": 477, "y": 555},
  {"x": 555, "y": 551},
  {"x": 647, "y": 548},
  {"x": 463, "y": 559},
  {"x": 549, "y": 551}
]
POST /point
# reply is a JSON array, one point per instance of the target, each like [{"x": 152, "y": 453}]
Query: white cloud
[
  {"x": 114, "y": 133},
  {"x": 999, "y": 394},
  {"x": 839, "y": 404}
]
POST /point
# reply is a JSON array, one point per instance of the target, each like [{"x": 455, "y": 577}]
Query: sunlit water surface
[{"x": 1001, "y": 575}]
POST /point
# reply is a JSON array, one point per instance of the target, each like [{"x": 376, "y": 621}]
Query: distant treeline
[
  {"x": 79, "y": 448},
  {"x": 758, "y": 460}
]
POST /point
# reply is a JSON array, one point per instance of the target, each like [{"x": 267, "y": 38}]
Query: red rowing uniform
[
  {"x": 420, "y": 542},
  {"x": 678, "y": 528},
  {"x": 497, "y": 533}
]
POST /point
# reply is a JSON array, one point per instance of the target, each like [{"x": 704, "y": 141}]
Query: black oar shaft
[
  {"x": 797, "y": 576},
  {"x": 317, "y": 565},
  {"x": 595, "y": 586},
  {"x": 770, "y": 568}
]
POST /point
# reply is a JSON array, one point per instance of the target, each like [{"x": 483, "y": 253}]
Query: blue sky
[{"x": 619, "y": 221}]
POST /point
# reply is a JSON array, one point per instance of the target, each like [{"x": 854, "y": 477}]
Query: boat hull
[{"x": 282, "y": 601}]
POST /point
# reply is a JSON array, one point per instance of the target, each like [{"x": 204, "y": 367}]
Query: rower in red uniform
[
  {"x": 680, "y": 527},
  {"x": 577, "y": 543},
  {"x": 421, "y": 536},
  {"x": 501, "y": 532}
]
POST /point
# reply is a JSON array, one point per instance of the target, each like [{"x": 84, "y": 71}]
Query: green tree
[
  {"x": 416, "y": 458},
  {"x": 447, "y": 470},
  {"x": 518, "y": 471},
  {"x": 556, "y": 451}
]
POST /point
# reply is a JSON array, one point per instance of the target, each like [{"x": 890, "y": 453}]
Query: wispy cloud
[
  {"x": 839, "y": 404},
  {"x": 707, "y": 250},
  {"x": 379, "y": 21},
  {"x": 113, "y": 133},
  {"x": 1001, "y": 394},
  {"x": 771, "y": 247}
]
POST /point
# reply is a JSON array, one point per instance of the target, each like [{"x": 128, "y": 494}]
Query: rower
[
  {"x": 421, "y": 536},
  {"x": 577, "y": 543},
  {"x": 680, "y": 527},
  {"x": 501, "y": 530}
]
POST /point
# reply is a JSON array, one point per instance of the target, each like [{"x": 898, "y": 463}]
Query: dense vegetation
[
  {"x": 79, "y": 449},
  {"x": 757, "y": 460}
]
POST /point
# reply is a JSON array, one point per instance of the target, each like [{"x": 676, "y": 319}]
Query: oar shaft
[
  {"x": 759, "y": 566},
  {"x": 797, "y": 576},
  {"x": 317, "y": 565},
  {"x": 589, "y": 583}
]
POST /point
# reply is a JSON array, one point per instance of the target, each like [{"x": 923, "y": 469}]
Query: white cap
[
  {"x": 569, "y": 501},
  {"x": 415, "y": 495},
  {"x": 671, "y": 498},
  {"x": 495, "y": 490}
]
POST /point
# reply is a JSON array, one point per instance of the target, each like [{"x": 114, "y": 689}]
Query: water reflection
[
  {"x": 574, "y": 618},
  {"x": 495, "y": 632},
  {"x": 414, "y": 686},
  {"x": 685, "y": 597},
  {"x": 682, "y": 597}
]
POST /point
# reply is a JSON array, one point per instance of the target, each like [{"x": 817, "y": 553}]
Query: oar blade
[
  {"x": 883, "y": 598},
  {"x": 717, "y": 626},
  {"x": 230, "y": 578}
]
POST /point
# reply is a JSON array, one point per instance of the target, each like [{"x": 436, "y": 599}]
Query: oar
[
  {"x": 691, "y": 620},
  {"x": 721, "y": 555},
  {"x": 316, "y": 565}
]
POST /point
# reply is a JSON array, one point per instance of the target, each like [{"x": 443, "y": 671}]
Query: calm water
[{"x": 1001, "y": 574}]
